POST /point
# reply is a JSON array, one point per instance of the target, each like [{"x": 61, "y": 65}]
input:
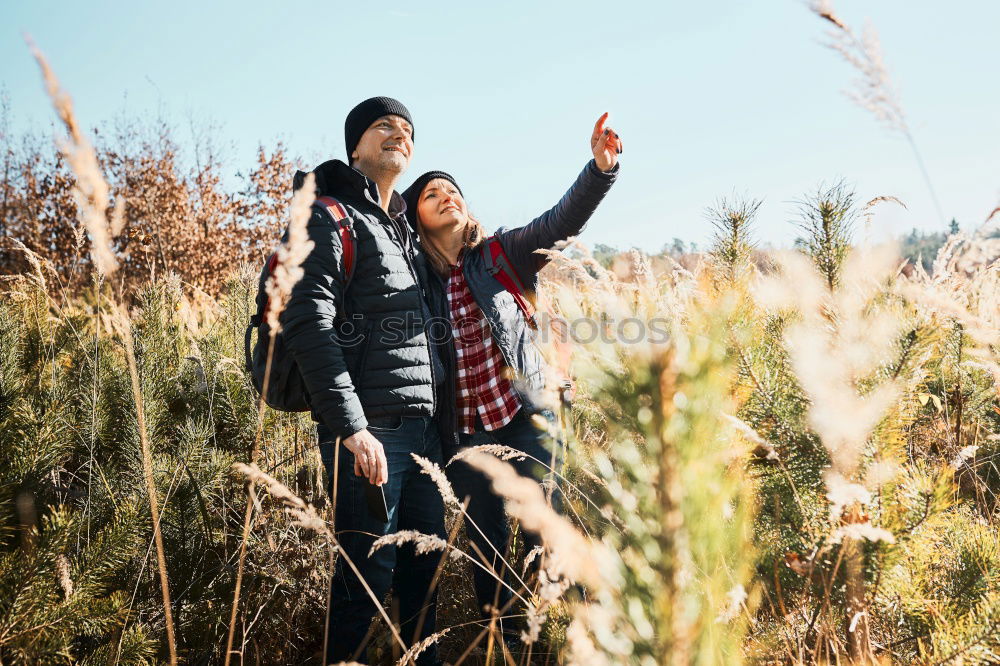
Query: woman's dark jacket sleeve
[{"x": 567, "y": 218}]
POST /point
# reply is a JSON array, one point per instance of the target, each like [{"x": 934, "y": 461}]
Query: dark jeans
[
  {"x": 414, "y": 503},
  {"x": 486, "y": 508}
]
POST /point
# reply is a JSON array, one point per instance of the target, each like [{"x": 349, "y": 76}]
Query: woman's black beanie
[
  {"x": 363, "y": 115},
  {"x": 412, "y": 194}
]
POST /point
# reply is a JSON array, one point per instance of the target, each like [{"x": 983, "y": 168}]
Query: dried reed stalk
[
  {"x": 440, "y": 480},
  {"x": 673, "y": 642},
  {"x": 279, "y": 286},
  {"x": 124, "y": 328},
  {"x": 91, "y": 194},
  {"x": 572, "y": 554},
  {"x": 304, "y": 515},
  {"x": 291, "y": 254},
  {"x": 841, "y": 339},
  {"x": 873, "y": 90},
  {"x": 90, "y": 191}
]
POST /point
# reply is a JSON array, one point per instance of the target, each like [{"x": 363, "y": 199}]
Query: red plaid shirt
[{"x": 483, "y": 386}]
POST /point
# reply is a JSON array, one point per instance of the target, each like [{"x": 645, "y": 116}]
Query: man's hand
[
  {"x": 369, "y": 457},
  {"x": 606, "y": 144}
]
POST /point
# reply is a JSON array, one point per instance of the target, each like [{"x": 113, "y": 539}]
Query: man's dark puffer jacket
[
  {"x": 508, "y": 326},
  {"x": 364, "y": 352}
]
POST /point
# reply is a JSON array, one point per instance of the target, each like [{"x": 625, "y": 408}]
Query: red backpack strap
[
  {"x": 258, "y": 318},
  {"x": 336, "y": 211},
  {"x": 343, "y": 222},
  {"x": 272, "y": 262},
  {"x": 499, "y": 266}
]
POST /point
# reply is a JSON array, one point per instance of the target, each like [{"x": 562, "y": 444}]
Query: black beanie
[
  {"x": 363, "y": 115},
  {"x": 412, "y": 193}
]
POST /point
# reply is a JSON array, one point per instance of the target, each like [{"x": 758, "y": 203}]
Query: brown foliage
[{"x": 188, "y": 219}]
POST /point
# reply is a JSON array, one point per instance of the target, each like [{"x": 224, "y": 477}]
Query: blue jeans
[
  {"x": 486, "y": 508},
  {"x": 413, "y": 503}
]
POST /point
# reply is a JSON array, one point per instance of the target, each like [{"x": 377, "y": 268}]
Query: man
[{"x": 372, "y": 383}]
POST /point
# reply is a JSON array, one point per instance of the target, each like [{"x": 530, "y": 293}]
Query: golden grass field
[{"x": 805, "y": 472}]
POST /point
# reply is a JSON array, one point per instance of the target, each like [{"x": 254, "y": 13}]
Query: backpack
[{"x": 286, "y": 389}]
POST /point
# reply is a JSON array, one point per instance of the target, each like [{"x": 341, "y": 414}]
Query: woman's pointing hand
[{"x": 605, "y": 144}]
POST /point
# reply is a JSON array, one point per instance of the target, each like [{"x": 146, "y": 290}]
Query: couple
[{"x": 417, "y": 258}]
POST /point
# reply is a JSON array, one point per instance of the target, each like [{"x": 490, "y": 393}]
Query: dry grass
[
  {"x": 90, "y": 192},
  {"x": 804, "y": 471}
]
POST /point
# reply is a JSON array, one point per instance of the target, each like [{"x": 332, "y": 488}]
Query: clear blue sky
[{"x": 710, "y": 98}]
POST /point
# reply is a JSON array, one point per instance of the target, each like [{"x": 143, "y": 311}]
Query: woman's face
[{"x": 441, "y": 207}]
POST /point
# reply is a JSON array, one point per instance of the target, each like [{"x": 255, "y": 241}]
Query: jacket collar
[{"x": 335, "y": 178}]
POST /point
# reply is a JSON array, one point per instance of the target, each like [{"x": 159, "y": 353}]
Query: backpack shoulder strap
[
  {"x": 263, "y": 300},
  {"x": 345, "y": 226},
  {"x": 499, "y": 266},
  {"x": 342, "y": 220}
]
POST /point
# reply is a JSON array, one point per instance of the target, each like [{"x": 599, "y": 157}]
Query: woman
[{"x": 490, "y": 340}]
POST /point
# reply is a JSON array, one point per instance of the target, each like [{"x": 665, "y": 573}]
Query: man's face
[{"x": 386, "y": 146}]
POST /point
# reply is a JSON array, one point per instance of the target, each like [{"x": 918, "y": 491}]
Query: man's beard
[{"x": 388, "y": 163}]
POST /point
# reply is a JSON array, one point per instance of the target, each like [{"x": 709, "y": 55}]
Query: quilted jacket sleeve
[
  {"x": 308, "y": 325},
  {"x": 567, "y": 218}
]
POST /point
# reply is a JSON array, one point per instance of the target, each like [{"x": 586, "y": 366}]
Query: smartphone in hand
[{"x": 375, "y": 498}]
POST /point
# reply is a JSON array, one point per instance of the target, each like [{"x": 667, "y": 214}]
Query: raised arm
[{"x": 568, "y": 217}]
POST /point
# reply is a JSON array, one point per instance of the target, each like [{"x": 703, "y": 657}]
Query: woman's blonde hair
[{"x": 473, "y": 233}]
